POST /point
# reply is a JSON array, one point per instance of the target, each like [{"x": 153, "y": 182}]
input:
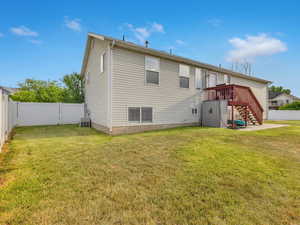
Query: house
[
  {"x": 131, "y": 88},
  {"x": 10, "y": 90},
  {"x": 277, "y": 99}
]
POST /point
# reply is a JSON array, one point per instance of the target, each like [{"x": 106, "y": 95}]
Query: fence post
[{"x": 59, "y": 113}]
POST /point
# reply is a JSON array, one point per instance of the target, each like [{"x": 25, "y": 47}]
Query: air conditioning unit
[{"x": 85, "y": 122}]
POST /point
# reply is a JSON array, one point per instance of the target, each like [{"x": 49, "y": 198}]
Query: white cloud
[
  {"x": 215, "y": 22},
  {"x": 36, "y": 42},
  {"x": 180, "y": 42},
  {"x": 156, "y": 27},
  {"x": 144, "y": 33},
  {"x": 23, "y": 31},
  {"x": 253, "y": 46},
  {"x": 73, "y": 24}
]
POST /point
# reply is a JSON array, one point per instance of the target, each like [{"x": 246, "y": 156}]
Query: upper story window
[
  {"x": 152, "y": 67},
  {"x": 226, "y": 79},
  {"x": 184, "y": 76},
  {"x": 211, "y": 80},
  {"x": 102, "y": 62}
]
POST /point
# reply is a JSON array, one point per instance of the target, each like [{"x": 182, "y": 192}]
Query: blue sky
[{"x": 46, "y": 39}]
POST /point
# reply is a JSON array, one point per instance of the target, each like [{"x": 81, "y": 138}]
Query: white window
[
  {"x": 134, "y": 114},
  {"x": 102, "y": 62},
  {"x": 211, "y": 80},
  {"x": 198, "y": 78},
  {"x": 226, "y": 79},
  {"x": 140, "y": 114},
  {"x": 184, "y": 71},
  {"x": 220, "y": 79},
  {"x": 146, "y": 114},
  {"x": 184, "y": 76},
  {"x": 152, "y": 67}
]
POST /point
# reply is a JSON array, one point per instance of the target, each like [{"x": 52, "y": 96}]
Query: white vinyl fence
[
  {"x": 35, "y": 114},
  {"x": 8, "y": 116},
  {"x": 284, "y": 115}
]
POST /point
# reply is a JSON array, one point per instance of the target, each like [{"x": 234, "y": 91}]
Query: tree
[
  {"x": 74, "y": 90},
  {"x": 291, "y": 106},
  {"x": 280, "y": 89},
  {"x": 39, "y": 91}
]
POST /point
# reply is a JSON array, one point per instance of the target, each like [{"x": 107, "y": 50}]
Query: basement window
[
  {"x": 134, "y": 114},
  {"x": 146, "y": 115},
  {"x": 140, "y": 114}
]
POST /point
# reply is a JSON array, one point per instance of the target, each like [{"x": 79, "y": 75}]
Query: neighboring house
[
  {"x": 10, "y": 90},
  {"x": 130, "y": 88},
  {"x": 277, "y": 99}
]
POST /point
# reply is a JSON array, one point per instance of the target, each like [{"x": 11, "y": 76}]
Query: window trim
[
  {"x": 141, "y": 111},
  {"x": 145, "y": 71},
  {"x": 207, "y": 81},
  {"x": 185, "y": 75},
  {"x": 140, "y": 122},
  {"x": 128, "y": 114},
  {"x": 152, "y": 84},
  {"x": 188, "y": 76},
  {"x": 227, "y": 81},
  {"x": 184, "y": 88}
]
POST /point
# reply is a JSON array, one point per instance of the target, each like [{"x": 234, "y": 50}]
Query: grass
[{"x": 70, "y": 175}]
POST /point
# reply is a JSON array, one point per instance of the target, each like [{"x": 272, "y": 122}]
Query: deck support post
[
  {"x": 246, "y": 120},
  {"x": 232, "y": 117}
]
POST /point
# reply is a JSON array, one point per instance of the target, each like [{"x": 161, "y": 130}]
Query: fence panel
[
  {"x": 12, "y": 115},
  {"x": 71, "y": 113},
  {"x": 35, "y": 114},
  {"x": 284, "y": 115},
  {"x": 7, "y": 116}
]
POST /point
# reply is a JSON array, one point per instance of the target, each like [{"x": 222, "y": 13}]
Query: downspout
[{"x": 110, "y": 85}]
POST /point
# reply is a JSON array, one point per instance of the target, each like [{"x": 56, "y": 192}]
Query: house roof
[
  {"x": 162, "y": 54},
  {"x": 273, "y": 94},
  {"x": 9, "y": 89}
]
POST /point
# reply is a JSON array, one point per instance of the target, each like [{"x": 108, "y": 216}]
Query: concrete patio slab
[{"x": 263, "y": 127}]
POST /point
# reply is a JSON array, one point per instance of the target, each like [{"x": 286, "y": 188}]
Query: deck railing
[{"x": 237, "y": 95}]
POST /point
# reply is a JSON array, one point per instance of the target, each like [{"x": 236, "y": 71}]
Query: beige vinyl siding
[
  {"x": 97, "y": 88},
  {"x": 260, "y": 91},
  {"x": 171, "y": 104}
]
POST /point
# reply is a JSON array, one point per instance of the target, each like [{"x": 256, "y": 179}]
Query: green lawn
[{"x": 77, "y": 176}]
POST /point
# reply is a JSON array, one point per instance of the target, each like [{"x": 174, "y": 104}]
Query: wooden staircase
[
  {"x": 240, "y": 98},
  {"x": 247, "y": 115}
]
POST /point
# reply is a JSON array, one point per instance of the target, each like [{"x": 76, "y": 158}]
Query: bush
[{"x": 291, "y": 106}]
